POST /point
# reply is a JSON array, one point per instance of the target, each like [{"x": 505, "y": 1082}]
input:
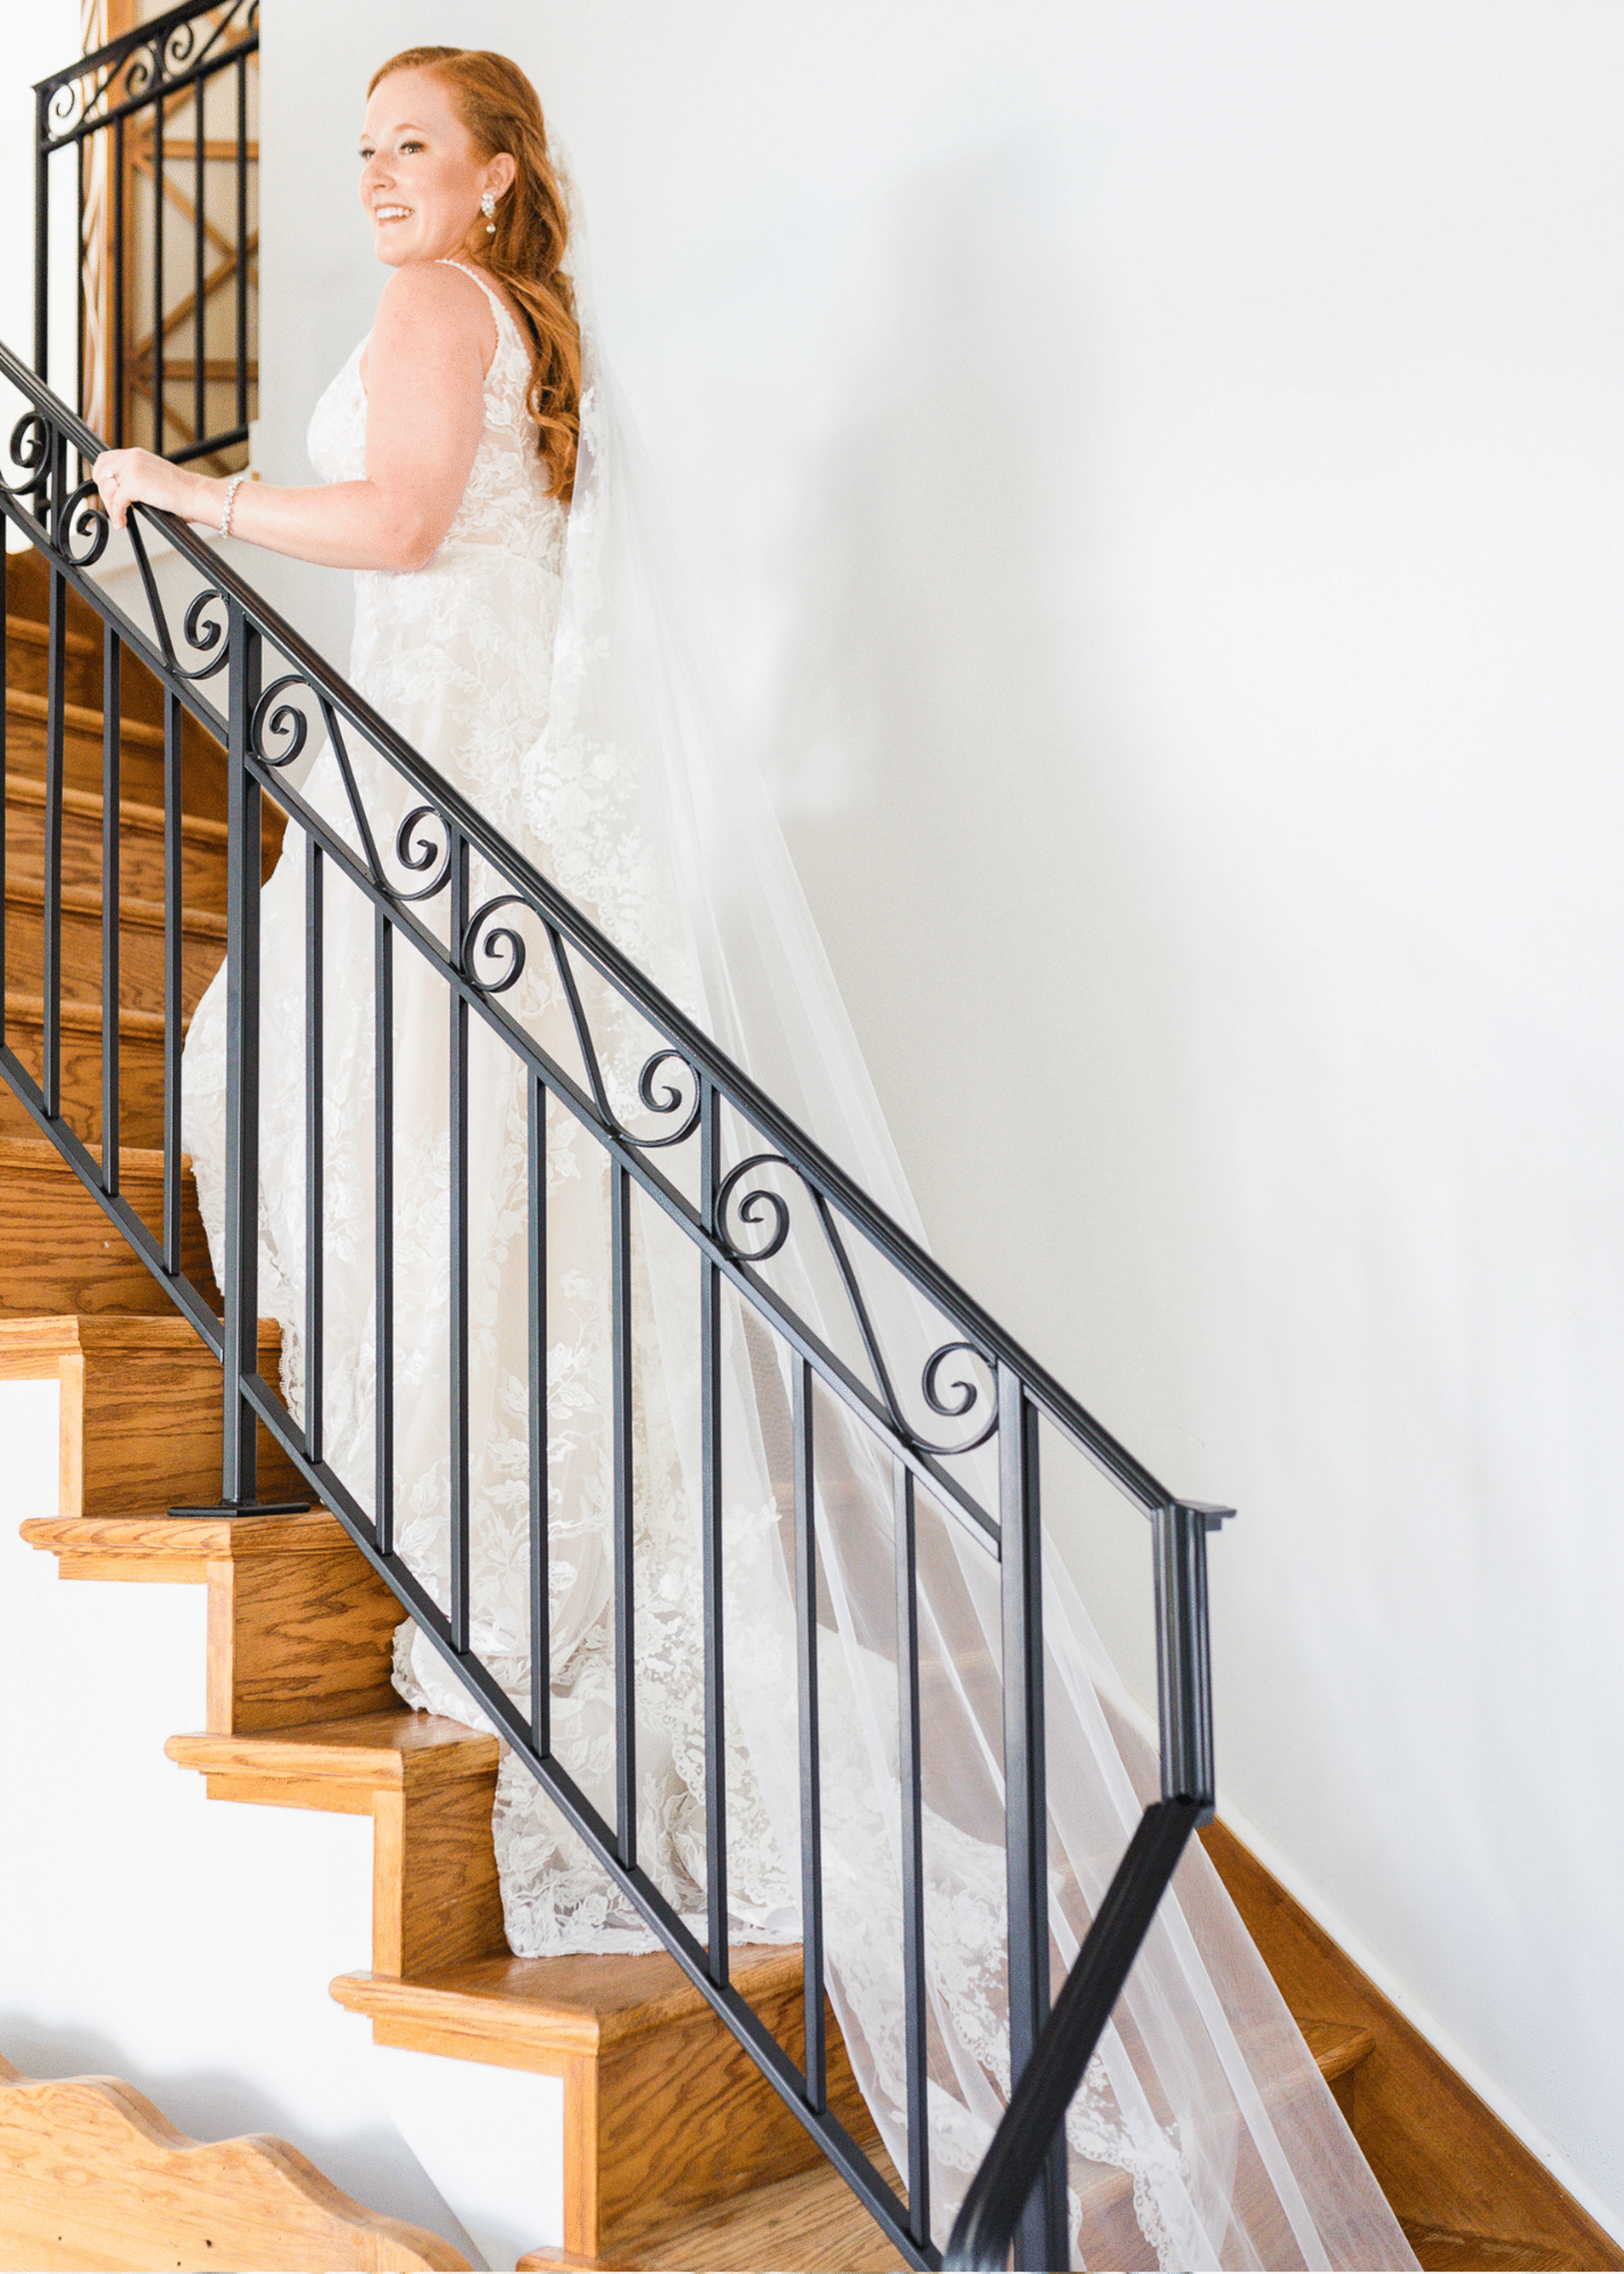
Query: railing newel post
[{"x": 1041, "y": 2231}]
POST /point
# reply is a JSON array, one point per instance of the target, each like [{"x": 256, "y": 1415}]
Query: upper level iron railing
[
  {"x": 238, "y": 669},
  {"x": 159, "y": 129}
]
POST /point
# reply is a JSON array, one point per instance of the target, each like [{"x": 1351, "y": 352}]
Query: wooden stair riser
[
  {"x": 301, "y": 1629},
  {"x": 140, "y": 761},
  {"x": 140, "y": 1070},
  {"x": 141, "y": 947},
  {"x": 140, "y": 848},
  {"x": 60, "y": 1251},
  {"x": 27, "y": 663},
  {"x": 27, "y": 635},
  {"x": 140, "y": 1418}
]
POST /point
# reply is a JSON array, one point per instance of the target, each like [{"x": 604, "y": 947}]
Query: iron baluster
[
  {"x": 541, "y": 1607},
  {"x": 1041, "y": 2239},
  {"x": 116, "y": 380},
  {"x": 241, "y": 308},
  {"x": 51, "y": 945},
  {"x": 621, "y": 1427},
  {"x": 911, "y": 1802},
  {"x": 804, "y": 1458},
  {"x": 459, "y": 1259},
  {"x": 5, "y": 666},
  {"x": 111, "y": 656},
  {"x": 383, "y": 1188},
  {"x": 199, "y": 147},
  {"x": 41, "y": 231},
  {"x": 710, "y": 1520},
  {"x": 81, "y": 167},
  {"x": 158, "y": 218},
  {"x": 173, "y": 998},
  {"x": 315, "y": 1141},
  {"x": 240, "y": 1451}
]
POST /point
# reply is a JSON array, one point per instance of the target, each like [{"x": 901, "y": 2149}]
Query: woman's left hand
[{"x": 127, "y": 478}]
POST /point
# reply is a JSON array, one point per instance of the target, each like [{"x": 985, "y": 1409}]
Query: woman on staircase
[{"x": 506, "y": 625}]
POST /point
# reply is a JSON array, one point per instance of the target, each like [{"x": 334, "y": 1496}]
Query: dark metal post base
[{"x": 250, "y": 1507}]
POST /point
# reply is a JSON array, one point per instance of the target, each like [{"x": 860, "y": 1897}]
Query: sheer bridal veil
[{"x": 1204, "y": 2135}]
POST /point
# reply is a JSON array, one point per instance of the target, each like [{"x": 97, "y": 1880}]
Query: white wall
[{"x": 1155, "y": 474}]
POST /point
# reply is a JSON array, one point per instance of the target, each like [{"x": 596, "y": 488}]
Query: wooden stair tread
[
  {"x": 1441, "y": 2251},
  {"x": 586, "y": 2000},
  {"x": 377, "y": 1750}
]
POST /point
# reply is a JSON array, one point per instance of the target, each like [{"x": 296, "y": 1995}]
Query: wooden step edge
[
  {"x": 138, "y": 1164},
  {"x": 1338, "y": 2047},
  {"x": 81, "y": 1018},
  {"x": 377, "y": 1752},
  {"x": 134, "y": 912},
  {"x": 134, "y": 734},
  {"x": 179, "y": 1547},
  {"x": 31, "y": 1349},
  {"x": 133, "y": 816},
  {"x": 28, "y": 631},
  {"x": 507, "y": 2010},
  {"x": 161, "y": 2198}
]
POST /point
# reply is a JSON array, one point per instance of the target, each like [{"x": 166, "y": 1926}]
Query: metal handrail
[{"x": 231, "y": 630}]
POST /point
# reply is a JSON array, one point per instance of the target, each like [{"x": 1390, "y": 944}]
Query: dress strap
[{"x": 497, "y": 305}]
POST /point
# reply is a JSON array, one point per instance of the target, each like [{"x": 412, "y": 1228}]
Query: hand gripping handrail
[{"x": 690, "y": 1086}]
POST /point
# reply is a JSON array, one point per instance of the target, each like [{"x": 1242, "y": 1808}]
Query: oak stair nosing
[{"x": 81, "y": 1017}]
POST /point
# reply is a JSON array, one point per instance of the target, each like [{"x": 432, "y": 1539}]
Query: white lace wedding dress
[{"x": 506, "y": 664}]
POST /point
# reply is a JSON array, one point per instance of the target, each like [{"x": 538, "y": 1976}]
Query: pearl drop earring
[{"x": 487, "y": 206}]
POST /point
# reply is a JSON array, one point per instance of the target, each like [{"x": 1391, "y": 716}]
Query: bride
[{"x": 473, "y": 477}]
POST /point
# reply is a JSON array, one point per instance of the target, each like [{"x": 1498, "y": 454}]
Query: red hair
[{"x": 500, "y": 110}]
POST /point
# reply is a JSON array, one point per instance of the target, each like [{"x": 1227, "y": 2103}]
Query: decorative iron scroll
[{"x": 143, "y": 67}]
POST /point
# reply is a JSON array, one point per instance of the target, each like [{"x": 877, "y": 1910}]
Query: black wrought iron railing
[
  {"x": 715, "y": 1159},
  {"x": 159, "y": 131}
]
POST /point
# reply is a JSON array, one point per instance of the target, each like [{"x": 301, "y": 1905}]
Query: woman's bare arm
[{"x": 425, "y": 365}]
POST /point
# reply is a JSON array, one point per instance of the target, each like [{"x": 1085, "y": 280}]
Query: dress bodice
[{"x": 506, "y": 504}]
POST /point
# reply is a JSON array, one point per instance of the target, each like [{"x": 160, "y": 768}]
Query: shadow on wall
[
  {"x": 220, "y": 2106},
  {"x": 960, "y": 800}
]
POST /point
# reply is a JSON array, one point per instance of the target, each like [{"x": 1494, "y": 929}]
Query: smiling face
[{"x": 421, "y": 177}]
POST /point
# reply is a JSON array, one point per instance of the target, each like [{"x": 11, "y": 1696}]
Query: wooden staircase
[{"x": 678, "y": 2153}]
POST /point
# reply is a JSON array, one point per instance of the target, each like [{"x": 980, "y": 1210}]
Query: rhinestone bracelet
[{"x": 231, "y": 488}]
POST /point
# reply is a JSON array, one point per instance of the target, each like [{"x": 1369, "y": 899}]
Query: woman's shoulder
[{"x": 435, "y": 292}]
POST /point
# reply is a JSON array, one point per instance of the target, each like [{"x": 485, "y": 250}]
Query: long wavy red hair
[{"x": 501, "y": 109}]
